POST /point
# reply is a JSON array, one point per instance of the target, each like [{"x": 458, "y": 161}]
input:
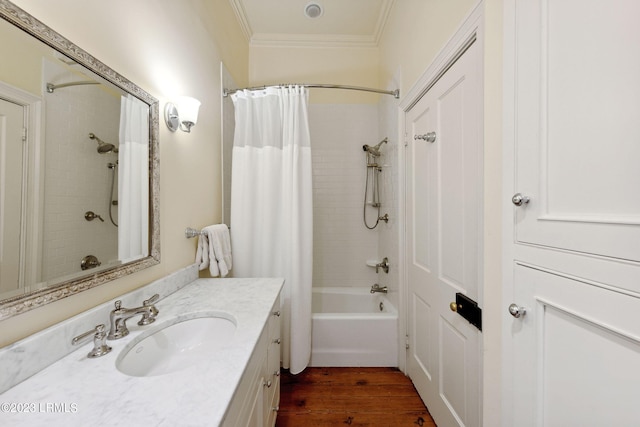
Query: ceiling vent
[{"x": 313, "y": 10}]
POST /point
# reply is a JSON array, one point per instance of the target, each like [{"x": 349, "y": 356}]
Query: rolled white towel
[
  {"x": 219, "y": 249},
  {"x": 213, "y": 264},
  {"x": 202, "y": 253}
]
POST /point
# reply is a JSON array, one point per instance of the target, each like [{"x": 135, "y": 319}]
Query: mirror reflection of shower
[
  {"x": 103, "y": 147},
  {"x": 112, "y": 201},
  {"x": 372, "y": 183}
]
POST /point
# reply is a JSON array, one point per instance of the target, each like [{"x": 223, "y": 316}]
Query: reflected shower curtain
[
  {"x": 133, "y": 180},
  {"x": 271, "y": 205}
]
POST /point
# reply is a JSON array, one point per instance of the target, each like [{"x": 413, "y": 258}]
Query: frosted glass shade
[{"x": 188, "y": 108}]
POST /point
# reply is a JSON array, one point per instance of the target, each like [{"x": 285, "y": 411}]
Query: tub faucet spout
[{"x": 377, "y": 288}]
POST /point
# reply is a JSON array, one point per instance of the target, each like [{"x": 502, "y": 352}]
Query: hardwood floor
[{"x": 380, "y": 397}]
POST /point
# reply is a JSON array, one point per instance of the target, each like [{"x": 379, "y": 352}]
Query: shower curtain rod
[
  {"x": 51, "y": 87},
  {"x": 395, "y": 93}
]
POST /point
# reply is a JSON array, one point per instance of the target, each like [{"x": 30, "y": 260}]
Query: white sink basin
[{"x": 176, "y": 347}]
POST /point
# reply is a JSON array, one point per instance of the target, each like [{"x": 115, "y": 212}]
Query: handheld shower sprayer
[
  {"x": 375, "y": 150},
  {"x": 372, "y": 185}
]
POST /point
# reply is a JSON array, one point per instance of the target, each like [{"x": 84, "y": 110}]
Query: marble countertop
[{"x": 77, "y": 390}]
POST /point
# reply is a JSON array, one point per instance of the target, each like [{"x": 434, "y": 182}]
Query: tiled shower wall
[
  {"x": 342, "y": 244},
  {"x": 77, "y": 178}
]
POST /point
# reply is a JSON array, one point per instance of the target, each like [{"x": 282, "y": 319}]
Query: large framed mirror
[{"x": 79, "y": 168}]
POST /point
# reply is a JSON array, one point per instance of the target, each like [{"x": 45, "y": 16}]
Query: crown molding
[
  {"x": 382, "y": 19},
  {"x": 311, "y": 40},
  {"x": 241, "y": 15}
]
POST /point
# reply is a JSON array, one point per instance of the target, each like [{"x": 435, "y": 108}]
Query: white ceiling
[{"x": 283, "y": 22}]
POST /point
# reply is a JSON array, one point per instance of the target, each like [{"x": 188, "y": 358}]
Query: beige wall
[
  {"x": 24, "y": 71},
  {"x": 493, "y": 304},
  {"x": 227, "y": 36},
  {"x": 414, "y": 35},
  {"x": 167, "y": 49}
]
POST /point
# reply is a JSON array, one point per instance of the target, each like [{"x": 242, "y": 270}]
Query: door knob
[
  {"x": 519, "y": 200},
  {"x": 429, "y": 137},
  {"x": 453, "y": 306},
  {"x": 517, "y": 311}
]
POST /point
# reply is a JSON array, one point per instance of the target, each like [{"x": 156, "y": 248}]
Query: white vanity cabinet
[
  {"x": 255, "y": 402},
  {"x": 272, "y": 368}
]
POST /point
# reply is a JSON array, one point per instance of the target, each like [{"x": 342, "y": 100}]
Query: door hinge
[
  {"x": 24, "y": 134},
  {"x": 468, "y": 308},
  {"x": 406, "y": 342}
]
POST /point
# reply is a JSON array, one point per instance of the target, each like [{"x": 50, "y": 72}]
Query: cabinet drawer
[{"x": 274, "y": 404}]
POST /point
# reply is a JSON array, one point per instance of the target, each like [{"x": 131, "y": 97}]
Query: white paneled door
[
  {"x": 444, "y": 234},
  {"x": 576, "y": 352},
  {"x": 572, "y": 206},
  {"x": 11, "y": 188},
  {"x": 578, "y": 125}
]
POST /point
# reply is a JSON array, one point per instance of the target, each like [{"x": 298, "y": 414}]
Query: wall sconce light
[{"x": 182, "y": 114}]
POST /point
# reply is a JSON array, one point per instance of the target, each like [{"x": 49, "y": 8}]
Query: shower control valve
[
  {"x": 90, "y": 216},
  {"x": 384, "y": 265}
]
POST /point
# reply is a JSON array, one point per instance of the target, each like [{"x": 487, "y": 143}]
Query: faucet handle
[
  {"x": 100, "y": 348},
  {"x": 384, "y": 264},
  {"x": 149, "y": 316},
  {"x": 118, "y": 304},
  {"x": 151, "y": 300}
]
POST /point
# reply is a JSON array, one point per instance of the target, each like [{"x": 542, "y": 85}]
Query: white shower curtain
[
  {"x": 133, "y": 180},
  {"x": 271, "y": 205}
]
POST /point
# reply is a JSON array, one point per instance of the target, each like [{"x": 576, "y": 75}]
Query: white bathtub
[{"x": 352, "y": 327}]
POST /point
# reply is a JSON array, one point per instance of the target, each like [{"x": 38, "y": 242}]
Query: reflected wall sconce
[{"x": 183, "y": 114}]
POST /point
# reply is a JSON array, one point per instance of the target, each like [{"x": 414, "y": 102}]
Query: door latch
[{"x": 467, "y": 308}]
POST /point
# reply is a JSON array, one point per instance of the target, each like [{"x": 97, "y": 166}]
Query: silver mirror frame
[{"x": 38, "y": 298}]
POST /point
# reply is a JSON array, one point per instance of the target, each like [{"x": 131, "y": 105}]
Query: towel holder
[{"x": 192, "y": 232}]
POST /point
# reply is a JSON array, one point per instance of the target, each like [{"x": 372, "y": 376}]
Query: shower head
[
  {"x": 106, "y": 148},
  {"x": 103, "y": 147},
  {"x": 375, "y": 150}
]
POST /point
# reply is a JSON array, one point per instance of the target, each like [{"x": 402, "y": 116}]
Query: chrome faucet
[
  {"x": 119, "y": 316},
  {"x": 384, "y": 265},
  {"x": 377, "y": 288}
]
